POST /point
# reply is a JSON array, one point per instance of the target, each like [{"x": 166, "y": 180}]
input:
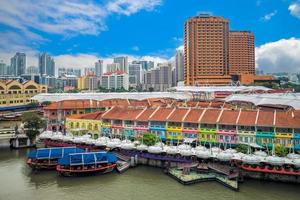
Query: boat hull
[{"x": 84, "y": 171}]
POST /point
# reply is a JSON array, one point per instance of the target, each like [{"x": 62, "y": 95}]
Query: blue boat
[
  {"x": 86, "y": 163},
  {"x": 46, "y": 158}
]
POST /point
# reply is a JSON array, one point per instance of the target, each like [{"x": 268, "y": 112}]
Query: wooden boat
[
  {"x": 86, "y": 163},
  {"x": 46, "y": 158}
]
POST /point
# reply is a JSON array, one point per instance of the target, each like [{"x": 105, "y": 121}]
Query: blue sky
[{"x": 72, "y": 29}]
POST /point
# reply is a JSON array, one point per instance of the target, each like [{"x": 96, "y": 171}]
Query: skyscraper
[
  {"x": 179, "y": 66},
  {"x": 123, "y": 62},
  {"x": 18, "y": 64},
  {"x": 32, "y": 70},
  {"x": 46, "y": 65},
  {"x": 241, "y": 53},
  {"x": 3, "y": 68},
  {"x": 206, "y": 50},
  {"x": 99, "y": 68},
  {"x": 146, "y": 65},
  {"x": 135, "y": 74}
]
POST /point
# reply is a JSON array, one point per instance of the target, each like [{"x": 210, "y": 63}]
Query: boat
[
  {"x": 86, "y": 163},
  {"x": 46, "y": 158}
]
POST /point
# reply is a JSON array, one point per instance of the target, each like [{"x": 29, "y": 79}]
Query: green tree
[
  {"x": 148, "y": 139},
  {"x": 46, "y": 103},
  {"x": 32, "y": 124},
  {"x": 243, "y": 148},
  {"x": 281, "y": 151}
]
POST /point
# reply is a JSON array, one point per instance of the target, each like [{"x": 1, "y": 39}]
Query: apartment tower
[
  {"x": 241, "y": 53},
  {"x": 206, "y": 47}
]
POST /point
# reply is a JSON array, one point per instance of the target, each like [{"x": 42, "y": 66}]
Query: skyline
[{"x": 95, "y": 31}]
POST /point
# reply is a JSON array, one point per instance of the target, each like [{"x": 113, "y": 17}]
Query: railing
[
  {"x": 208, "y": 130},
  {"x": 283, "y": 135},
  {"x": 264, "y": 134},
  {"x": 246, "y": 132}
]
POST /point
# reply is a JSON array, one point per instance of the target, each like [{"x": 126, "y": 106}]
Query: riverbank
[{"x": 139, "y": 183}]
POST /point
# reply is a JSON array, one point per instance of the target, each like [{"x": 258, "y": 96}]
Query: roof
[
  {"x": 89, "y": 116},
  {"x": 72, "y": 104},
  {"x": 265, "y": 118},
  {"x": 247, "y": 118},
  {"x": 218, "y": 88},
  {"x": 229, "y": 117},
  {"x": 275, "y": 99},
  {"x": 54, "y": 97},
  {"x": 144, "y": 116},
  {"x": 178, "y": 114},
  {"x": 193, "y": 116},
  {"x": 122, "y": 113},
  {"x": 210, "y": 116},
  {"x": 161, "y": 114}
]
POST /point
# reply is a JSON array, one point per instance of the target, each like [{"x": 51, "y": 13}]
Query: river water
[{"x": 18, "y": 182}]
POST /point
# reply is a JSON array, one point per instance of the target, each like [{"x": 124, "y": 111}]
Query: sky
[{"x": 78, "y": 32}]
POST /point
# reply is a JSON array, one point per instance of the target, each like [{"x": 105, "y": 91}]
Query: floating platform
[{"x": 196, "y": 177}]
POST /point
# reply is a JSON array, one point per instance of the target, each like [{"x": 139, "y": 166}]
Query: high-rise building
[
  {"x": 123, "y": 62},
  {"x": 115, "y": 80},
  {"x": 3, "y": 68},
  {"x": 46, "y": 65},
  {"x": 135, "y": 74},
  {"x": 206, "y": 50},
  {"x": 113, "y": 67},
  {"x": 241, "y": 53},
  {"x": 89, "y": 71},
  {"x": 69, "y": 71},
  {"x": 99, "y": 68},
  {"x": 179, "y": 66},
  {"x": 146, "y": 65},
  {"x": 18, "y": 64},
  {"x": 160, "y": 78},
  {"x": 32, "y": 70}
]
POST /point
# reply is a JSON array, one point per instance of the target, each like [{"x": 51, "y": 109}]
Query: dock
[{"x": 194, "y": 177}]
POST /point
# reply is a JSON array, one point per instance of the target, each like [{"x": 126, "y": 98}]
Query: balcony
[
  {"x": 250, "y": 133},
  {"x": 106, "y": 125},
  {"x": 129, "y": 126},
  {"x": 283, "y": 135},
  {"x": 227, "y": 132},
  {"x": 297, "y": 135},
  {"x": 157, "y": 127},
  {"x": 190, "y": 129},
  {"x": 174, "y": 128},
  {"x": 265, "y": 134},
  {"x": 208, "y": 130}
]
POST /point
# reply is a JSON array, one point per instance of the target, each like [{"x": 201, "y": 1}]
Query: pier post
[{"x": 17, "y": 143}]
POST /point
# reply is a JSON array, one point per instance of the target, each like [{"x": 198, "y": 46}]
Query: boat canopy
[
  {"x": 88, "y": 158},
  {"x": 53, "y": 153}
]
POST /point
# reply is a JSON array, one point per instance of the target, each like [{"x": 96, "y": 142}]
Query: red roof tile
[
  {"x": 210, "y": 116},
  {"x": 145, "y": 115},
  {"x": 193, "y": 115},
  {"x": 229, "y": 117},
  {"x": 247, "y": 118},
  {"x": 178, "y": 114},
  {"x": 265, "y": 118},
  {"x": 72, "y": 104},
  {"x": 122, "y": 113},
  {"x": 89, "y": 116},
  {"x": 161, "y": 114}
]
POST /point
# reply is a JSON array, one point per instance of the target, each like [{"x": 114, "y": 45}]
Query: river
[{"x": 18, "y": 182}]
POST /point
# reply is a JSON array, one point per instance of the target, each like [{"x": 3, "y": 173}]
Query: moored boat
[
  {"x": 86, "y": 163},
  {"x": 46, "y": 158}
]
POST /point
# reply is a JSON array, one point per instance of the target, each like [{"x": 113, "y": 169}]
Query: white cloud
[
  {"x": 294, "y": 9},
  {"x": 269, "y": 16},
  {"x": 27, "y": 19},
  {"x": 135, "y": 48},
  {"x": 128, "y": 7},
  {"x": 279, "y": 56}
]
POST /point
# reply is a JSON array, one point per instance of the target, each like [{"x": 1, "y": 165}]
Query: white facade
[
  {"x": 179, "y": 66},
  {"x": 115, "y": 81}
]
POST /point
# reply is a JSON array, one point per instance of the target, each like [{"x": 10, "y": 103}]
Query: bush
[
  {"x": 243, "y": 148},
  {"x": 148, "y": 139},
  {"x": 281, "y": 151}
]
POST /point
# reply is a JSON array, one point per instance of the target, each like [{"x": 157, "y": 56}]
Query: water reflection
[{"x": 19, "y": 182}]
